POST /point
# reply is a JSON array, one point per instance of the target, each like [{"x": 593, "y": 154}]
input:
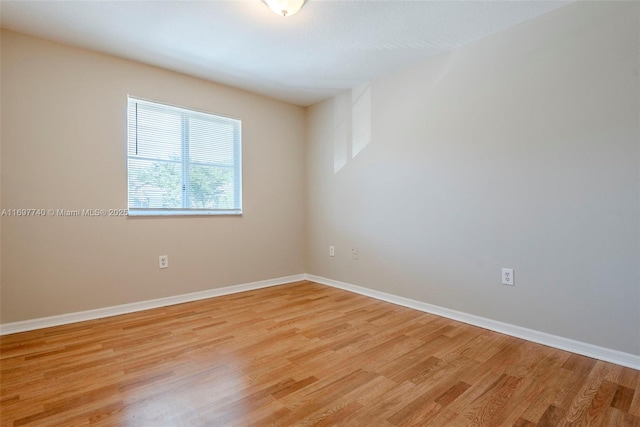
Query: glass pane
[
  {"x": 211, "y": 187},
  {"x": 154, "y": 184}
]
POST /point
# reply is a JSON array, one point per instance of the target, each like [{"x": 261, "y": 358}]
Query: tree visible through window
[{"x": 182, "y": 162}]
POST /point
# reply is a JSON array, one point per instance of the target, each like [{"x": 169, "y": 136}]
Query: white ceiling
[{"x": 328, "y": 47}]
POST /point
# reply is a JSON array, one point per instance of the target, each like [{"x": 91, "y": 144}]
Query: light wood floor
[{"x": 301, "y": 354}]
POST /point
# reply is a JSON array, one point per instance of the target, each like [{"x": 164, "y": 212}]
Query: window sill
[{"x": 183, "y": 212}]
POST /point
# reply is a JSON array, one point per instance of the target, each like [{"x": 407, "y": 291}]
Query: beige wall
[
  {"x": 1, "y": 205},
  {"x": 63, "y": 147},
  {"x": 520, "y": 150}
]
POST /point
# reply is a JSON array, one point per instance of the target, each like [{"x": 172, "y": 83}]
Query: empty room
[{"x": 319, "y": 212}]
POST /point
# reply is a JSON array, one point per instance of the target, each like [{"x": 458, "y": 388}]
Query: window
[{"x": 182, "y": 162}]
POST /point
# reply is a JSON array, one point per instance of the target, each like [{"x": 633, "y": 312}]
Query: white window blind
[{"x": 182, "y": 162}]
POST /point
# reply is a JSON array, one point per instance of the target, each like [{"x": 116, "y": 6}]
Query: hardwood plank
[
  {"x": 622, "y": 398},
  {"x": 634, "y": 409},
  {"x": 521, "y": 422},
  {"x": 551, "y": 417},
  {"x": 389, "y": 397},
  {"x": 616, "y": 417},
  {"x": 578, "y": 410},
  {"x": 452, "y": 394},
  {"x": 488, "y": 406}
]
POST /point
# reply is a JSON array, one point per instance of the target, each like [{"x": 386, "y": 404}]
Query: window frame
[{"x": 185, "y": 161}]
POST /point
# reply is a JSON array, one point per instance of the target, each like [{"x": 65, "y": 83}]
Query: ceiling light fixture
[{"x": 285, "y": 7}]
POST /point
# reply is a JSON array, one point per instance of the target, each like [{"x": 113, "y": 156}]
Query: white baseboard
[
  {"x": 81, "y": 316},
  {"x": 585, "y": 349}
]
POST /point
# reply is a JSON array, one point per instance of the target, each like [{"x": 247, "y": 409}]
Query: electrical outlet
[
  {"x": 507, "y": 276},
  {"x": 354, "y": 254},
  {"x": 332, "y": 250},
  {"x": 163, "y": 261}
]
